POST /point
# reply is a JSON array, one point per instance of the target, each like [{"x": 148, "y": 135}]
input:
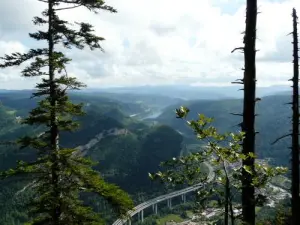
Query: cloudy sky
[{"x": 161, "y": 42}]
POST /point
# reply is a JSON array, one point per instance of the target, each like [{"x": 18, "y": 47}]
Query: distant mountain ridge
[
  {"x": 272, "y": 122},
  {"x": 139, "y": 151},
  {"x": 127, "y": 158},
  {"x": 188, "y": 92}
]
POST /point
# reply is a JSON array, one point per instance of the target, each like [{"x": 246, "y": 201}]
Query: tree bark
[
  {"x": 54, "y": 143},
  {"x": 227, "y": 192},
  {"x": 248, "y": 124},
  {"x": 295, "y": 133},
  {"x": 231, "y": 211}
]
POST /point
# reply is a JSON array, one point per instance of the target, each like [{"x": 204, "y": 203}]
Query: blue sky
[{"x": 161, "y": 42}]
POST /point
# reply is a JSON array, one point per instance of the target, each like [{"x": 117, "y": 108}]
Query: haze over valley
[{"x": 130, "y": 131}]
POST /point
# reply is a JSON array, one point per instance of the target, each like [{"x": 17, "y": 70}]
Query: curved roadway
[{"x": 153, "y": 201}]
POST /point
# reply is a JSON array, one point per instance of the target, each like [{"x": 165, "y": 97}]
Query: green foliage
[
  {"x": 119, "y": 165},
  {"x": 129, "y": 158},
  {"x": 168, "y": 218},
  {"x": 59, "y": 174},
  {"x": 223, "y": 151},
  {"x": 13, "y": 202},
  {"x": 280, "y": 214},
  {"x": 273, "y": 122}
]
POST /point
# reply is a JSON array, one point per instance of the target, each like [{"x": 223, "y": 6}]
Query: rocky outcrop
[{"x": 83, "y": 149}]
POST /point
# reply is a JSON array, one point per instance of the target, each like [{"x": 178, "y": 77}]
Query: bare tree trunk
[
  {"x": 228, "y": 199},
  {"x": 231, "y": 211},
  {"x": 295, "y": 133},
  {"x": 226, "y": 214},
  {"x": 248, "y": 192}
]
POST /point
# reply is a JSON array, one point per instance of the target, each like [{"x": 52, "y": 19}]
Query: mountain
[
  {"x": 129, "y": 134},
  {"x": 126, "y": 149},
  {"x": 189, "y": 92},
  {"x": 170, "y": 91},
  {"x": 107, "y": 134},
  {"x": 272, "y": 122},
  {"x": 105, "y": 112},
  {"x": 146, "y": 99},
  {"x": 133, "y": 105}
]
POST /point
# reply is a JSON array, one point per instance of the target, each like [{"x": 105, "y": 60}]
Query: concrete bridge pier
[
  {"x": 155, "y": 209},
  {"x": 141, "y": 216},
  {"x": 169, "y": 202},
  {"x": 183, "y": 197}
]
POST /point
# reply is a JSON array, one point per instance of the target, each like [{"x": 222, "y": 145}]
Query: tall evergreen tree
[
  {"x": 61, "y": 174},
  {"x": 295, "y": 131}
]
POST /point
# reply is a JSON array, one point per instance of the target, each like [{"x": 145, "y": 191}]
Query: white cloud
[{"x": 162, "y": 41}]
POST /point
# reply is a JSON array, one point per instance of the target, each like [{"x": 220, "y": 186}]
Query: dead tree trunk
[
  {"x": 248, "y": 191},
  {"x": 295, "y": 132}
]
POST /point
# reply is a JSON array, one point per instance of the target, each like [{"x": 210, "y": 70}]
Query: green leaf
[{"x": 248, "y": 169}]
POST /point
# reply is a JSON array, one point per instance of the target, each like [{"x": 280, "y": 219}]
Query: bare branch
[
  {"x": 239, "y": 48},
  {"x": 236, "y": 114},
  {"x": 278, "y": 139},
  {"x": 71, "y": 7}
]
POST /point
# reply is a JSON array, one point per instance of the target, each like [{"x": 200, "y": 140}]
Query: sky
[{"x": 160, "y": 42}]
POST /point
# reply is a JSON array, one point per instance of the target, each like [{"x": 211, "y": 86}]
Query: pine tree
[{"x": 60, "y": 174}]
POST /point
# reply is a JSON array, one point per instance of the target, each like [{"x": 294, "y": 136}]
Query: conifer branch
[{"x": 71, "y": 7}]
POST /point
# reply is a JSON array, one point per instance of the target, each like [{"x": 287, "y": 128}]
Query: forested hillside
[
  {"x": 126, "y": 152},
  {"x": 138, "y": 147},
  {"x": 102, "y": 115},
  {"x": 107, "y": 111},
  {"x": 272, "y": 122}
]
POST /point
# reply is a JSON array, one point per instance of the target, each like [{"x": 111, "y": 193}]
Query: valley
[{"x": 129, "y": 137}]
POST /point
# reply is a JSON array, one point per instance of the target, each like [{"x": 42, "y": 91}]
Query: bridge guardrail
[{"x": 150, "y": 202}]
